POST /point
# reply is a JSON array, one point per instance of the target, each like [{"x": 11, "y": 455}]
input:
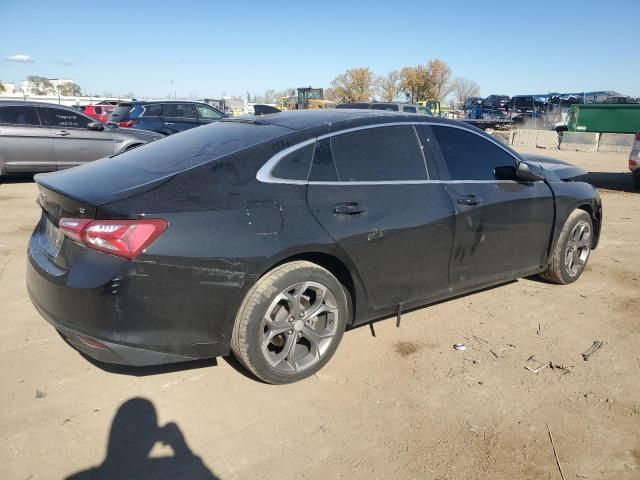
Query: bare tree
[
  {"x": 69, "y": 89},
  {"x": 330, "y": 94},
  {"x": 388, "y": 86},
  {"x": 355, "y": 85},
  {"x": 463, "y": 88},
  {"x": 439, "y": 74}
]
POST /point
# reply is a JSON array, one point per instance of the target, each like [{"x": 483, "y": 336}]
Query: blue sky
[{"x": 213, "y": 47}]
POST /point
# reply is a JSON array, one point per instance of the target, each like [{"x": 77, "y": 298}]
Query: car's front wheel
[
  {"x": 290, "y": 322},
  {"x": 572, "y": 250}
]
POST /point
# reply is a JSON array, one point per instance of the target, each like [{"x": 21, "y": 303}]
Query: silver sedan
[{"x": 43, "y": 137}]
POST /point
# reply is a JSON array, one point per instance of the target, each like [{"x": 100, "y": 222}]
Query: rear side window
[
  {"x": 60, "y": 118},
  {"x": 379, "y": 154},
  {"x": 295, "y": 166},
  {"x": 121, "y": 112},
  {"x": 154, "y": 110},
  {"x": 409, "y": 109},
  {"x": 323, "y": 169},
  {"x": 469, "y": 156},
  {"x": 179, "y": 110},
  {"x": 19, "y": 116}
]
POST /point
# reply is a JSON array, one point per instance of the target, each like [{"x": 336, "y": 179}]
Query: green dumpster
[{"x": 606, "y": 118}]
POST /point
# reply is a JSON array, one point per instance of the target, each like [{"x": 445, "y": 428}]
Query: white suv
[{"x": 634, "y": 161}]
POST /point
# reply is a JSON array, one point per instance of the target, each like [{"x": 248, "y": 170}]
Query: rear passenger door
[
  {"x": 180, "y": 116},
  {"x": 371, "y": 189},
  {"x": 25, "y": 145},
  {"x": 502, "y": 227},
  {"x": 73, "y": 143}
]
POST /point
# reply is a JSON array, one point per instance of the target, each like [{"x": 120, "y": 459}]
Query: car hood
[{"x": 562, "y": 169}]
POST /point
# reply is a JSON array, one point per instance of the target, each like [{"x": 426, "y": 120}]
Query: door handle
[
  {"x": 168, "y": 123},
  {"x": 62, "y": 133},
  {"x": 350, "y": 208},
  {"x": 470, "y": 200}
]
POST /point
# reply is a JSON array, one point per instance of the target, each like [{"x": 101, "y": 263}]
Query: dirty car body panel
[{"x": 244, "y": 195}]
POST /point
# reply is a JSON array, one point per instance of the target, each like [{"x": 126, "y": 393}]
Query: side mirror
[
  {"x": 96, "y": 126},
  {"x": 529, "y": 173}
]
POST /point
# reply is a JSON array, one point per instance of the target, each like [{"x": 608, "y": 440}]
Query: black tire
[
  {"x": 569, "y": 260},
  {"x": 636, "y": 178},
  {"x": 254, "y": 342}
]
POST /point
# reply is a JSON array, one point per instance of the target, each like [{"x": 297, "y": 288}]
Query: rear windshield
[
  {"x": 121, "y": 112},
  {"x": 197, "y": 146}
]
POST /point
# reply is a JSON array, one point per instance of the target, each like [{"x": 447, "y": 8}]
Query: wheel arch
[
  {"x": 338, "y": 268},
  {"x": 596, "y": 219}
]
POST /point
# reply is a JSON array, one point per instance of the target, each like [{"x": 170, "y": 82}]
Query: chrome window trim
[{"x": 264, "y": 173}]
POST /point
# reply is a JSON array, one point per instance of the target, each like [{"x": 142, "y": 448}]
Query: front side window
[
  {"x": 379, "y": 154},
  {"x": 179, "y": 110},
  {"x": 208, "y": 113},
  {"x": 19, "y": 116},
  {"x": 410, "y": 109},
  {"x": 468, "y": 155},
  {"x": 60, "y": 118}
]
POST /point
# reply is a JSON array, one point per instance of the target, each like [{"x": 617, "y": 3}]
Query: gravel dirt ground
[{"x": 402, "y": 404}]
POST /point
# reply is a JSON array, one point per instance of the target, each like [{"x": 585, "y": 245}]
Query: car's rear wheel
[
  {"x": 290, "y": 322},
  {"x": 572, "y": 251}
]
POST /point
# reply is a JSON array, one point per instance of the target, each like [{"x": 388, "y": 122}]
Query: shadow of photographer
[{"x": 134, "y": 432}]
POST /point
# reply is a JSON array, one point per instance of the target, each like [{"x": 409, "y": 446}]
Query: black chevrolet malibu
[{"x": 268, "y": 236}]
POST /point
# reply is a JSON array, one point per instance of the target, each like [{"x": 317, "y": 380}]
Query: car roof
[
  {"x": 151, "y": 102},
  {"x": 331, "y": 120},
  {"x": 28, "y": 103}
]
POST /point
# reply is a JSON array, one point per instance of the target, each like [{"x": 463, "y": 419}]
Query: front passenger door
[
  {"x": 180, "y": 116},
  {"x": 502, "y": 227},
  {"x": 73, "y": 143}
]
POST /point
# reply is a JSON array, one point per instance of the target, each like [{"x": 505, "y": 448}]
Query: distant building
[
  {"x": 9, "y": 87},
  {"x": 27, "y": 88}
]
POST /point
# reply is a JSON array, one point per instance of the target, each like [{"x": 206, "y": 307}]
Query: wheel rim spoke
[{"x": 298, "y": 327}]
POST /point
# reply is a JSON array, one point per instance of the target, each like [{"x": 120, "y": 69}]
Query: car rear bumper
[{"x": 116, "y": 311}]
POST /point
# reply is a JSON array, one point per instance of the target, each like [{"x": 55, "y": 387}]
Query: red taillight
[
  {"x": 127, "y": 123},
  {"x": 124, "y": 238},
  {"x": 633, "y": 163}
]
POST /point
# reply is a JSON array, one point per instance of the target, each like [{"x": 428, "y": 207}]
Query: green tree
[
  {"x": 69, "y": 89},
  {"x": 2, "y": 89}
]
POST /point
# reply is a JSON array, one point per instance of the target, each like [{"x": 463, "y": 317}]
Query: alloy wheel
[{"x": 299, "y": 326}]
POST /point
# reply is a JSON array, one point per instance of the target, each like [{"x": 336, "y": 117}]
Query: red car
[{"x": 99, "y": 112}]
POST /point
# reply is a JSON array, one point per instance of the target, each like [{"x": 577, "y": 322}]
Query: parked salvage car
[
  {"x": 99, "y": 112},
  {"x": 165, "y": 117},
  {"x": 268, "y": 236},
  {"x": 634, "y": 161},
  {"x": 43, "y": 137},
  {"x": 471, "y": 102},
  {"x": 495, "y": 102}
]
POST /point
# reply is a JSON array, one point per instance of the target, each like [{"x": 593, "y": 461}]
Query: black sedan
[{"x": 268, "y": 236}]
